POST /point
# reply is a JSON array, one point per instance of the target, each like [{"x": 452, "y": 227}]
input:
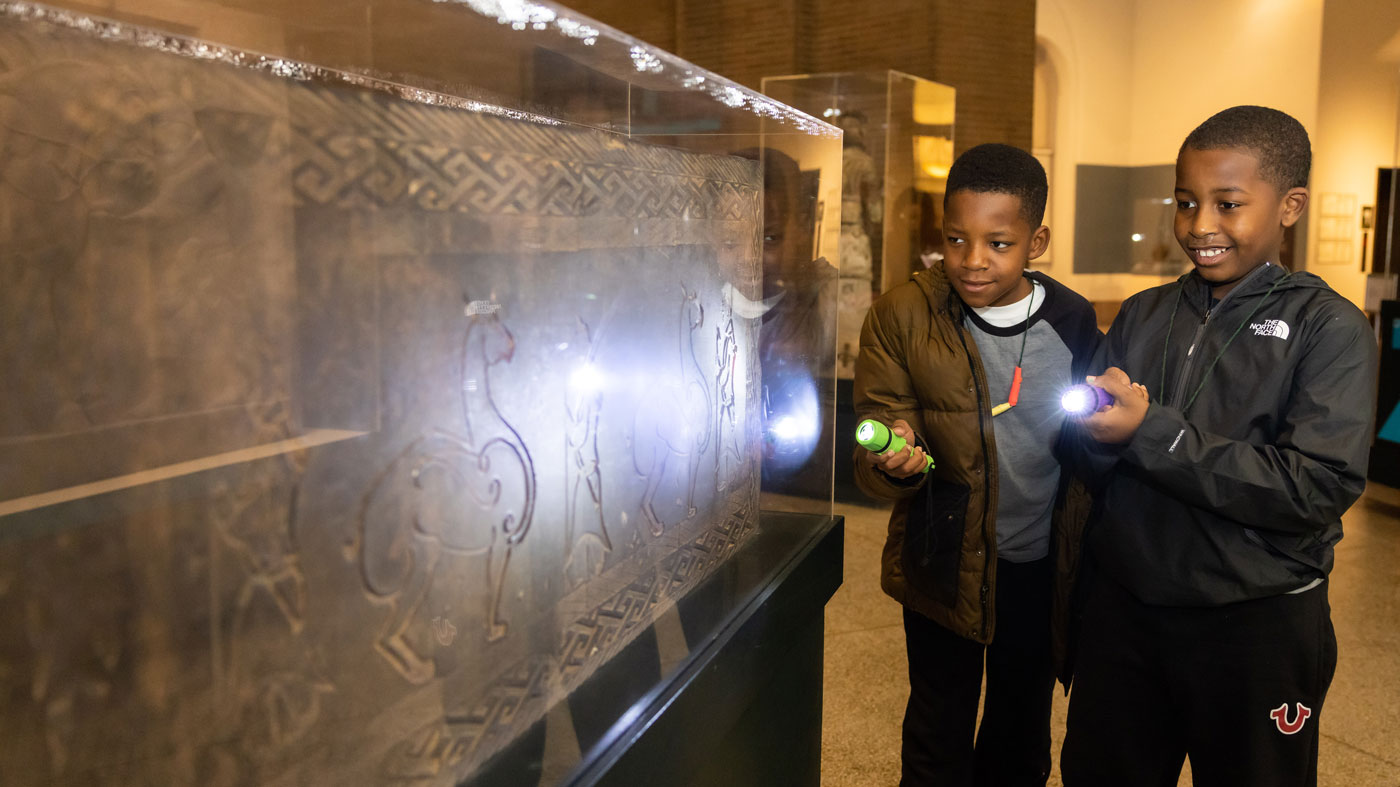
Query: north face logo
[
  {"x": 1277, "y": 328},
  {"x": 1280, "y": 717}
]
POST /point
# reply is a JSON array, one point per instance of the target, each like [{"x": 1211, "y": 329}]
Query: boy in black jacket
[{"x": 1206, "y": 630}]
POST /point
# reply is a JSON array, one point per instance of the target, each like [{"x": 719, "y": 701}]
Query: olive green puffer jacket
[{"x": 919, "y": 363}]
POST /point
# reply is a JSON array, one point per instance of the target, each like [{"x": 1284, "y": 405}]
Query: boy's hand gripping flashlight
[
  {"x": 1084, "y": 400},
  {"x": 875, "y": 436}
]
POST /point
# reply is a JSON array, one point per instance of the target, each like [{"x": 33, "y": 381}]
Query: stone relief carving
[
  {"x": 675, "y": 421},
  {"x": 442, "y": 499},
  {"x": 585, "y": 530},
  {"x": 375, "y": 605}
]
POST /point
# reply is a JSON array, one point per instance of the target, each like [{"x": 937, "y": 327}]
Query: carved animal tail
[
  {"x": 709, "y": 422},
  {"x": 514, "y": 535},
  {"x": 710, "y": 410}
]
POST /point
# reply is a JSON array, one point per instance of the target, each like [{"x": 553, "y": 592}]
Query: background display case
[
  {"x": 400, "y": 391},
  {"x": 897, "y": 149},
  {"x": 1380, "y": 224}
]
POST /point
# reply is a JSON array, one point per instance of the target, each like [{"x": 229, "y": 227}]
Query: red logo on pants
[{"x": 1280, "y": 717}]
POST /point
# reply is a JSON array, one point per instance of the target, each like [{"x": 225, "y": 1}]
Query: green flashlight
[{"x": 875, "y": 436}]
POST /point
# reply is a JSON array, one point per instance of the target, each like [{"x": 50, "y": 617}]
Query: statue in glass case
[
  {"x": 862, "y": 210},
  {"x": 862, "y": 207}
]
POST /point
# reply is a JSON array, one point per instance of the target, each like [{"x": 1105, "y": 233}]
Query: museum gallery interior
[{"x": 462, "y": 392}]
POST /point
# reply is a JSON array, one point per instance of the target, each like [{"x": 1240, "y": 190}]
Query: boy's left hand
[{"x": 1117, "y": 423}]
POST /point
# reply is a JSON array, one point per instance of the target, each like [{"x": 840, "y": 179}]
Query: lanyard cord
[
  {"x": 1162, "y": 394},
  {"x": 1162, "y": 389},
  {"x": 1029, "y": 306},
  {"x": 1015, "y": 395}
]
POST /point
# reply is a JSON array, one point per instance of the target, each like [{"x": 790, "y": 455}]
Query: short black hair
[
  {"x": 1276, "y": 138},
  {"x": 1001, "y": 169}
]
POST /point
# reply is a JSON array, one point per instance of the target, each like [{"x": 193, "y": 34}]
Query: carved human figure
[
  {"x": 729, "y": 462},
  {"x": 676, "y": 421},
  {"x": 585, "y": 532}
]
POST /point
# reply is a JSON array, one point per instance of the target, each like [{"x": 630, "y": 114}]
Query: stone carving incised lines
[
  {"x": 676, "y": 420},
  {"x": 336, "y": 168},
  {"x": 585, "y": 533},
  {"x": 252, "y": 522},
  {"x": 289, "y": 702},
  {"x": 76, "y": 669},
  {"x": 729, "y": 461},
  {"x": 444, "y": 496},
  {"x": 593, "y": 638},
  {"x": 443, "y": 745},
  {"x": 222, "y": 635},
  {"x": 268, "y": 679}
]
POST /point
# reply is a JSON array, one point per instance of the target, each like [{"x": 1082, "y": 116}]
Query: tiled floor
[{"x": 867, "y": 684}]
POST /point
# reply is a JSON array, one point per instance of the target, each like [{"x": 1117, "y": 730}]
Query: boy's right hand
[
  {"x": 1118, "y": 422},
  {"x": 899, "y": 464}
]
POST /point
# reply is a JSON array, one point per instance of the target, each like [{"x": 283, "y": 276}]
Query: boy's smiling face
[
  {"x": 987, "y": 243},
  {"x": 1229, "y": 219}
]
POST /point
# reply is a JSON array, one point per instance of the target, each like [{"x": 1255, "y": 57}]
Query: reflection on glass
[
  {"x": 796, "y": 336},
  {"x": 898, "y": 146}
]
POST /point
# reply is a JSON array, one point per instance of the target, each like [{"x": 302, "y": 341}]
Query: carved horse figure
[
  {"x": 445, "y": 494},
  {"x": 675, "y": 421}
]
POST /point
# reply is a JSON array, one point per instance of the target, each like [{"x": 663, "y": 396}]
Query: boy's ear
[
  {"x": 1040, "y": 241},
  {"x": 1295, "y": 201}
]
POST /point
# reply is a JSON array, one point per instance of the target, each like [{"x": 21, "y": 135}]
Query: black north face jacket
[{"x": 1254, "y": 446}]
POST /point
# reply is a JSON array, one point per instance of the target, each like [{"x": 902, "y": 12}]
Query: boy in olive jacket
[{"x": 968, "y": 361}]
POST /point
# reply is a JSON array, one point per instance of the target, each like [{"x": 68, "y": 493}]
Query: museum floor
[{"x": 867, "y": 684}]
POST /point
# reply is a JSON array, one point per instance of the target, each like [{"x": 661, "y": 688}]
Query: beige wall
[
  {"x": 1088, "y": 44},
  {"x": 1193, "y": 58},
  {"x": 1136, "y": 76},
  {"x": 1356, "y": 129}
]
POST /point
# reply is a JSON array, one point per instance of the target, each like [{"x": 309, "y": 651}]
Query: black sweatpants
[
  {"x": 1238, "y": 688},
  {"x": 945, "y": 682}
]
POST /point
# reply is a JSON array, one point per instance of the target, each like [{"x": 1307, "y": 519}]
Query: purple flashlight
[{"x": 1084, "y": 399}]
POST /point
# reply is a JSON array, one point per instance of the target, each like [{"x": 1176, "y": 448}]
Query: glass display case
[
  {"x": 1380, "y": 224},
  {"x": 897, "y": 148},
  {"x": 382, "y": 375}
]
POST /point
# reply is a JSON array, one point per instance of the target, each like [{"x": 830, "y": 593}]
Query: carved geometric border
[{"x": 521, "y": 696}]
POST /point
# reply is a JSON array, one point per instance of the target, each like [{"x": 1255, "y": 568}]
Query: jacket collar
[
  {"x": 943, "y": 298},
  {"x": 1255, "y": 283},
  {"x": 939, "y": 292}
]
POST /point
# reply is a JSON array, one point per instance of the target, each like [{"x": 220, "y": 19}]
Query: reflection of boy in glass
[
  {"x": 969, "y": 552},
  {"x": 797, "y": 335}
]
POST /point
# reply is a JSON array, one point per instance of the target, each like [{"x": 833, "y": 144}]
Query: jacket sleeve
[
  {"x": 884, "y": 391},
  {"x": 1093, "y": 460},
  {"x": 1314, "y": 470},
  {"x": 1089, "y": 340}
]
